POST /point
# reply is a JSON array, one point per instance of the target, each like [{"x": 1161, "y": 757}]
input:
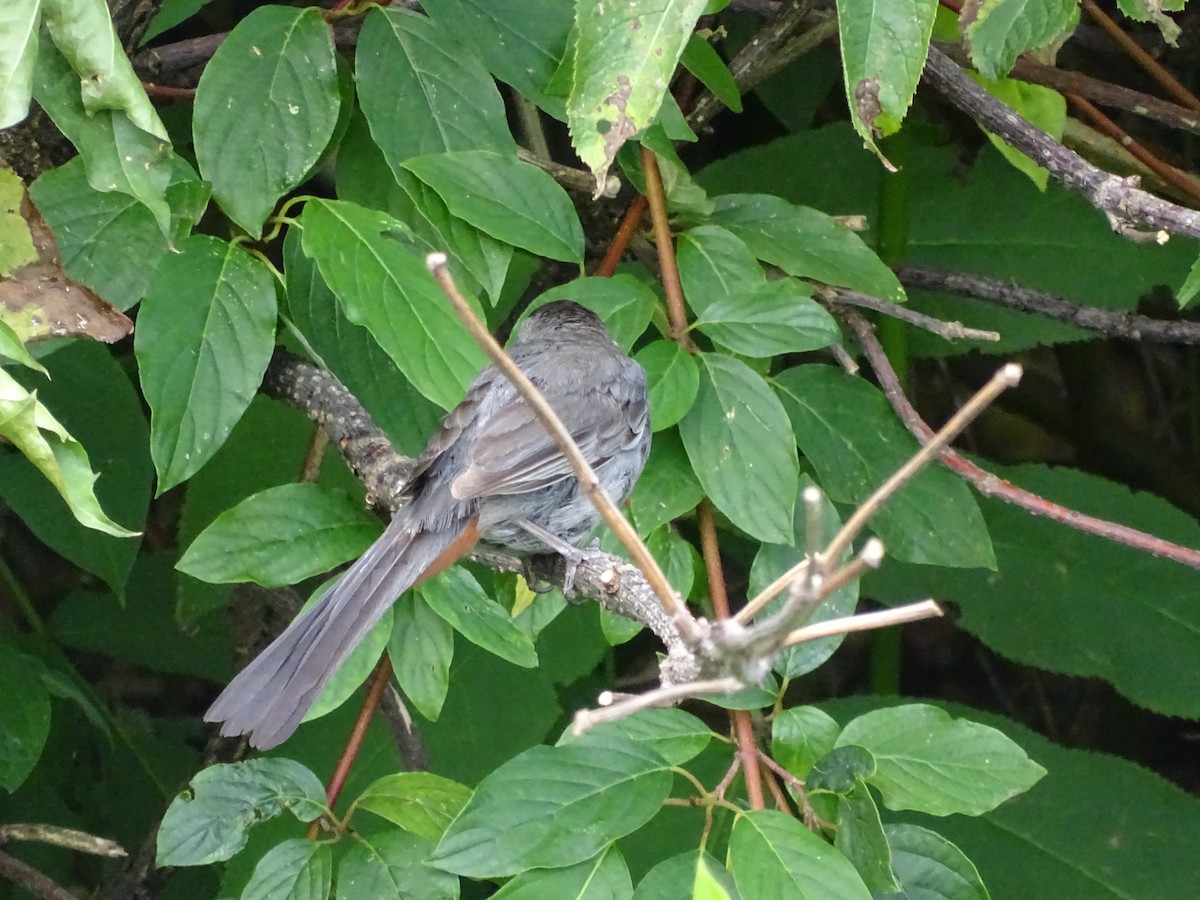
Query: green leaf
[
  {"x": 551, "y": 807},
  {"x": 673, "y": 379},
  {"x": 47, "y": 444},
  {"x": 605, "y": 877},
  {"x": 24, "y": 717},
  {"x": 422, "y": 92},
  {"x": 999, "y": 31},
  {"x": 16, "y": 241},
  {"x": 386, "y": 288},
  {"x": 624, "y": 58},
  {"x": 883, "y": 52},
  {"x": 702, "y": 60},
  {"x": 265, "y": 109},
  {"x": 806, "y": 243},
  {"x": 676, "y": 556},
  {"x": 775, "y": 318},
  {"x": 840, "y": 770},
  {"x": 684, "y": 195},
  {"x": 19, "y": 22},
  {"x": 522, "y": 42},
  {"x": 715, "y": 264},
  {"x": 676, "y": 735},
  {"x": 456, "y": 596},
  {"x": 391, "y": 866},
  {"x": 1153, "y": 11},
  {"x": 84, "y": 34},
  {"x": 774, "y": 855},
  {"x": 1093, "y": 593},
  {"x": 736, "y": 437},
  {"x": 480, "y": 257},
  {"x": 512, "y": 201},
  {"x": 351, "y": 353},
  {"x": 210, "y": 821},
  {"x": 12, "y": 348},
  {"x": 861, "y": 840},
  {"x": 204, "y": 337},
  {"x": 110, "y": 241},
  {"x": 1063, "y": 837},
  {"x": 170, "y": 14},
  {"x": 800, "y": 736},
  {"x": 117, "y": 154},
  {"x": 266, "y": 448},
  {"x": 773, "y": 560},
  {"x": 624, "y": 303},
  {"x": 708, "y": 878},
  {"x": 419, "y": 802},
  {"x": 1191, "y": 286},
  {"x": 280, "y": 536},
  {"x": 1042, "y": 107},
  {"x": 92, "y": 396},
  {"x": 928, "y": 865},
  {"x": 667, "y": 488},
  {"x": 421, "y": 649},
  {"x": 297, "y": 869},
  {"x": 850, "y": 436},
  {"x": 927, "y": 761}
]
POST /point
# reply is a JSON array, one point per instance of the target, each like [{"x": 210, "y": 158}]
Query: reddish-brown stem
[
  {"x": 166, "y": 92},
  {"x": 620, "y": 240},
  {"x": 781, "y": 803},
  {"x": 743, "y": 728},
  {"x": 1135, "y": 52},
  {"x": 990, "y": 485},
  {"x": 1163, "y": 170},
  {"x": 375, "y": 687},
  {"x": 666, "y": 249}
]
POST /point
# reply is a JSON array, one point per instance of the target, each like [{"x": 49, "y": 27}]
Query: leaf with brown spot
[{"x": 37, "y": 298}]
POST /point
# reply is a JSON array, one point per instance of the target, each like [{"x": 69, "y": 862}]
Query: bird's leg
[{"x": 572, "y": 555}]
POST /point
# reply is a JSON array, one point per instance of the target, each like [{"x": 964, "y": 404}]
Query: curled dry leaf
[{"x": 37, "y": 297}]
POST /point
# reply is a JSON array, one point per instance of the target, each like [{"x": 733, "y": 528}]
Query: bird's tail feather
[{"x": 270, "y": 696}]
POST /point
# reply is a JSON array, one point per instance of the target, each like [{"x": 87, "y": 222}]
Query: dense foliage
[{"x": 165, "y": 509}]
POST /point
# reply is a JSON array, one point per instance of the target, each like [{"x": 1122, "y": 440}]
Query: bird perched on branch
[{"x": 490, "y": 474}]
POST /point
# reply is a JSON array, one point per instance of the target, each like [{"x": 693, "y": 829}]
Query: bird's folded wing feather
[{"x": 514, "y": 454}]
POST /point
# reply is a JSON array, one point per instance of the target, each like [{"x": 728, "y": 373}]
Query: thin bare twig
[
  {"x": 884, "y": 618},
  {"x": 992, "y": 486},
  {"x": 1008, "y": 376},
  {"x": 1006, "y": 293},
  {"x": 588, "y": 480},
  {"x": 669, "y": 695},
  {"x": 951, "y": 331},
  {"x": 70, "y": 838}
]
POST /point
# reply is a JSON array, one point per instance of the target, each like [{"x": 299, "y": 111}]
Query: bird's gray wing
[{"x": 513, "y": 453}]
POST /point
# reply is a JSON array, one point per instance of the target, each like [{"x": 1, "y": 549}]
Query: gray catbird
[{"x": 492, "y": 474}]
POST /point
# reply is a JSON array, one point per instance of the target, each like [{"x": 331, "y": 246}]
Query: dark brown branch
[
  {"x": 778, "y": 44},
  {"x": 1006, "y": 293},
  {"x": 1127, "y": 207},
  {"x": 30, "y": 879},
  {"x": 990, "y": 485},
  {"x": 1104, "y": 93}
]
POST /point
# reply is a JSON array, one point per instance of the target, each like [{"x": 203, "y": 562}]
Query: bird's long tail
[{"x": 270, "y": 696}]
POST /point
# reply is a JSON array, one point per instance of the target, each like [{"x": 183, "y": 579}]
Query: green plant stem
[{"x": 23, "y": 600}]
